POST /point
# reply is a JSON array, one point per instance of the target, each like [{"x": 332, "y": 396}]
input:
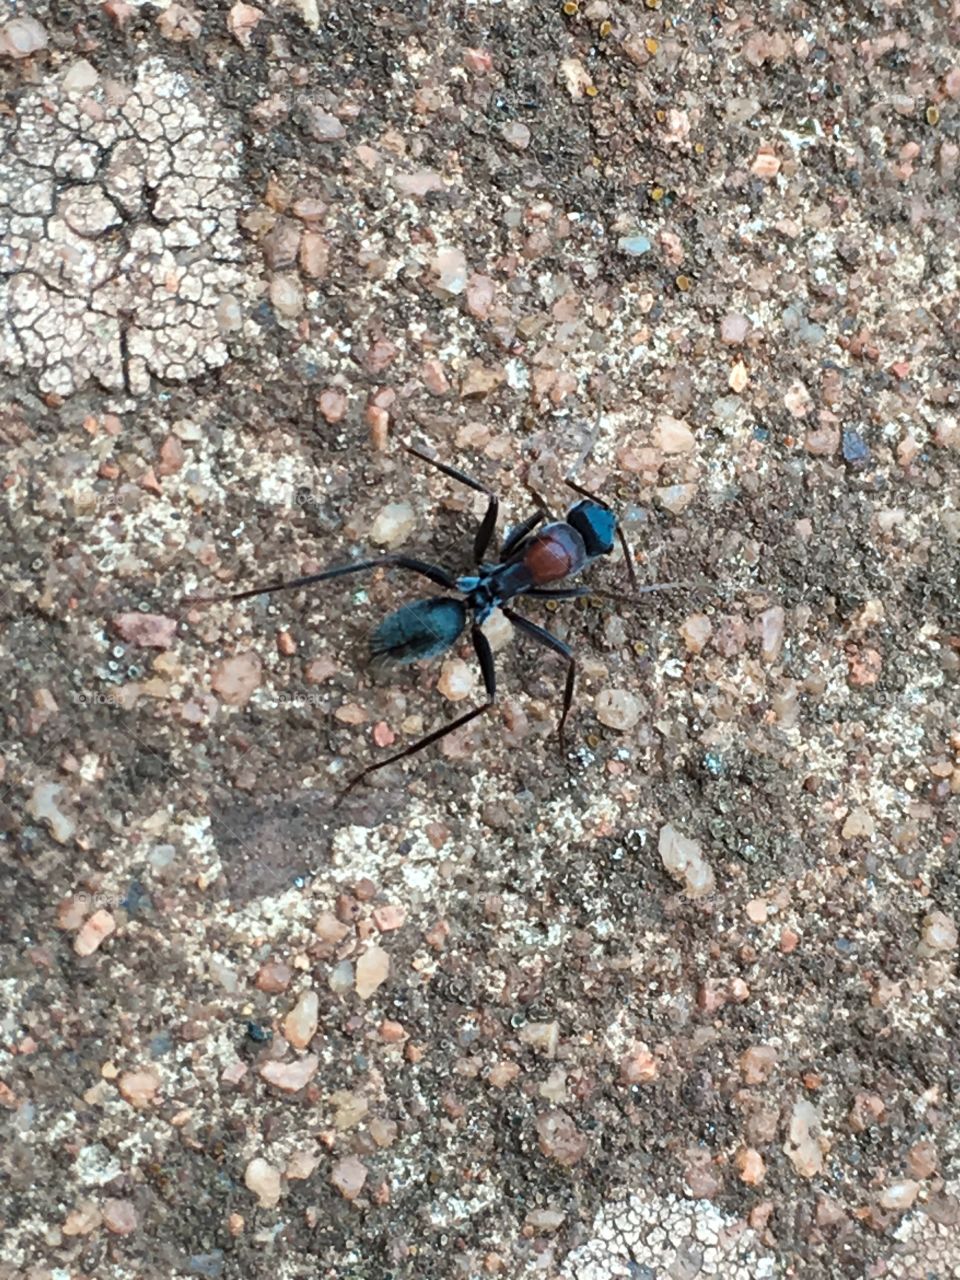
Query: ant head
[{"x": 596, "y": 525}]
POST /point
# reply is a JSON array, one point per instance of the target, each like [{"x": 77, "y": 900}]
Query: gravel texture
[{"x": 682, "y": 1003}]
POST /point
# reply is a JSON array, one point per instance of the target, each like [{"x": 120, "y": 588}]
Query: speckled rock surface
[{"x": 683, "y": 1003}]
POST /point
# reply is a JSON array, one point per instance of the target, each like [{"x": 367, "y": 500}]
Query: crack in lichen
[{"x": 121, "y": 256}]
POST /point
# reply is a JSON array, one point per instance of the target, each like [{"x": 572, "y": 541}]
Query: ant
[{"x": 528, "y": 562}]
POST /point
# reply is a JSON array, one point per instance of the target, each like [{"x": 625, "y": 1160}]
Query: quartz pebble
[
  {"x": 119, "y": 1217},
  {"x": 804, "y": 1146},
  {"x": 21, "y": 38},
  {"x": 617, "y": 709},
  {"x": 348, "y": 1176},
  {"x": 771, "y": 626},
  {"x": 263, "y": 1180},
  {"x": 300, "y": 1024},
  {"x": 734, "y": 329},
  {"x": 683, "y": 859},
  {"x": 939, "y": 933},
  {"x": 450, "y": 271},
  {"x": 393, "y": 525},
  {"x": 560, "y": 1139},
  {"x": 235, "y": 679},
  {"x": 94, "y": 932},
  {"x": 750, "y": 1166},
  {"x": 695, "y": 631},
  {"x": 323, "y": 127},
  {"x": 638, "y": 1066},
  {"x": 899, "y": 1196},
  {"x": 634, "y": 246},
  {"x": 290, "y": 1077},
  {"x": 44, "y": 806},
  {"x": 139, "y": 1088},
  {"x": 516, "y": 135},
  {"x": 148, "y": 630},
  {"x": 456, "y": 680},
  {"x": 541, "y": 1036},
  {"x": 373, "y": 969},
  {"x": 670, "y": 435}
]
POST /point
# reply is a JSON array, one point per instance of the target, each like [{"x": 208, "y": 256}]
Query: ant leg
[
  {"x": 544, "y": 637},
  {"x": 585, "y": 493},
  {"x": 484, "y": 654},
  {"x": 537, "y": 499},
  {"x": 517, "y": 535},
  {"x": 487, "y": 525},
  {"x": 426, "y": 570},
  {"x": 578, "y": 593}
]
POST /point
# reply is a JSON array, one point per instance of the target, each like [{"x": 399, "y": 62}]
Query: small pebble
[
  {"x": 803, "y": 1146},
  {"x": 900, "y": 1196},
  {"x": 139, "y": 1088},
  {"x": 44, "y": 806},
  {"x": 683, "y": 859},
  {"x": 450, "y": 271},
  {"x": 119, "y": 1217},
  {"x": 670, "y": 435},
  {"x": 300, "y": 1024},
  {"x": 393, "y": 525},
  {"x": 750, "y": 1166},
  {"x": 290, "y": 1077},
  {"x": 855, "y": 450},
  {"x": 348, "y": 1176},
  {"x": 695, "y": 631},
  {"x": 456, "y": 680},
  {"x": 148, "y": 630},
  {"x": 274, "y": 977},
  {"x": 771, "y": 625},
  {"x": 545, "y": 1220},
  {"x": 939, "y": 932},
  {"x": 634, "y": 246},
  {"x": 544, "y": 1037},
  {"x": 859, "y": 822},
  {"x": 323, "y": 127},
  {"x": 286, "y": 295},
  {"x": 560, "y": 1139},
  {"x": 263, "y": 1180},
  {"x": 757, "y": 1062},
  {"x": 236, "y": 679},
  {"x": 373, "y": 969},
  {"x": 617, "y": 709},
  {"x": 22, "y": 37},
  {"x": 341, "y": 978},
  {"x": 94, "y": 932},
  {"x": 387, "y": 918},
  {"x": 734, "y": 329},
  {"x": 516, "y": 135},
  {"x": 638, "y": 1066}
]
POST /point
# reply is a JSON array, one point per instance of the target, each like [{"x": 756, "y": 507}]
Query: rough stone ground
[{"x": 683, "y": 1004}]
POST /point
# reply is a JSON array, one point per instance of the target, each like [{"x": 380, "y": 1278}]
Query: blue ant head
[
  {"x": 596, "y": 525},
  {"x": 422, "y": 629}
]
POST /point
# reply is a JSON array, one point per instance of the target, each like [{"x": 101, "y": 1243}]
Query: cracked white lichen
[
  {"x": 120, "y": 256},
  {"x": 668, "y": 1236}
]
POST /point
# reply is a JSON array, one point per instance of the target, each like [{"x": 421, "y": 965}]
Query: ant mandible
[{"x": 528, "y": 562}]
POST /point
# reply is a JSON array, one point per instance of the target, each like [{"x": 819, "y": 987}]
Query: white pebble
[
  {"x": 393, "y": 525},
  {"x": 617, "y": 709},
  {"x": 456, "y": 680},
  {"x": 21, "y": 37},
  {"x": 683, "y": 859}
]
